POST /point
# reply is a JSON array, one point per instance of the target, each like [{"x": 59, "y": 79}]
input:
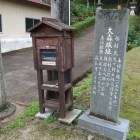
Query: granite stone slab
[
  {"x": 45, "y": 115},
  {"x": 109, "y": 50},
  {"x": 70, "y": 116},
  {"x": 112, "y": 130}
]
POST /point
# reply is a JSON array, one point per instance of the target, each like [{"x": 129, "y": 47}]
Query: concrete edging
[{"x": 8, "y": 112}]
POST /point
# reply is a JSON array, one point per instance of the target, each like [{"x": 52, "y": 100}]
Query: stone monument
[
  {"x": 6, "y": 109},
  {"x": 109, "y": 49}
]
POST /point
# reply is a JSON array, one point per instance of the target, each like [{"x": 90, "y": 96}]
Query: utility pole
[{"x": 60, "y": 9}]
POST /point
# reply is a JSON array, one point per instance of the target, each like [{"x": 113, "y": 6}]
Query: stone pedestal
[
  {"x": 6, "y": 109},
  {"x": 116, "y": 131},
  {"x": 45, "y": 115},
  {"x": 70, "y": 116}
]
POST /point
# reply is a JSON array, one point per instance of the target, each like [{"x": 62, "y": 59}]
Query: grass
[
  {"x": 130, "y": 102},
  {"x": 20, "y": 121},
  {"x": 83, "y": 25},
  {"x": 51, "y": 119},
  {"x": 82, "y": 86},
  {"x": 59, "y": 132},
  {"x": 130, "y": 105}
]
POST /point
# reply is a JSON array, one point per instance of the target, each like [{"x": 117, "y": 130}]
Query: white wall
[{"x": 13, "y": 13}]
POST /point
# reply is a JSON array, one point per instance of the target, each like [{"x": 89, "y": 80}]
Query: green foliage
[
  {"x": 51, "y": 119},
  {"x": 30, "y": 111},
  {"x": 80, "y": 12},
  {"x": 15, "y": 124},
  {"x": 81, "y": 16},
  {"x": 135, "y": 21},
  {"x": 83, "y": 25},
  {"x": 130, "y": 101},
  {"x": 134, "y": 135},
  {"x": 22, "y": 119},
  {"x": 59, "y": 132},
  {"x": 79, "y": 2},
  {"x": 134, "y": 32},
  {"x": 82, "y": 86},
  {"x": 130, "y": 104}
]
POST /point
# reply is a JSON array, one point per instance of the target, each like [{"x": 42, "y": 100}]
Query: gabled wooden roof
[{"x": 56, "y": 24}]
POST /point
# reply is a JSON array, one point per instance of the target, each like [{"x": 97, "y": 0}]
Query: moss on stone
[{"x": 3, "y": 107}]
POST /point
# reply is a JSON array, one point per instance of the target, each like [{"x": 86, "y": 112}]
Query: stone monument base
[
  {"x": 109, "y": 129},
  {"x": 8, "y": 112}
]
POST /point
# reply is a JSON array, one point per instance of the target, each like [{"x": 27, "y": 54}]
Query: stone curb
[{"x": 8, "y": 112}]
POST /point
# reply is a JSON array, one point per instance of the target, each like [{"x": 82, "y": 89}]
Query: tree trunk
[
  {"x": 94, "y": 2},
  {"x": 87, "y": 3},
  {"x": 60, "y": 10},
  {"x": 2, "y": 86}
]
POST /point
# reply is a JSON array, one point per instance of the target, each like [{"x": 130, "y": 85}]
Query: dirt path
[{"x": 55, "y": 131}]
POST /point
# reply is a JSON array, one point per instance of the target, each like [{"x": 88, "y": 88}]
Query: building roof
[
  {"x": 56, "y": 24},
  {"x": 39, "y": 2}
]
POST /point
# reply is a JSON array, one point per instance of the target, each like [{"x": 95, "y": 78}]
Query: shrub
[
  {"x": 79, "y": 1},
  {"x": 80, "y": 12},
  {"x": 134, "y": 32},
  {"x": 81, "y": 26},
  {"x": 135, "y": 21}
]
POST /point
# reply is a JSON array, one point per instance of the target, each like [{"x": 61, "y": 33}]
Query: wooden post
[
  {"x": 40, "y": 91},
  {"x": 61, "y": 94}
]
